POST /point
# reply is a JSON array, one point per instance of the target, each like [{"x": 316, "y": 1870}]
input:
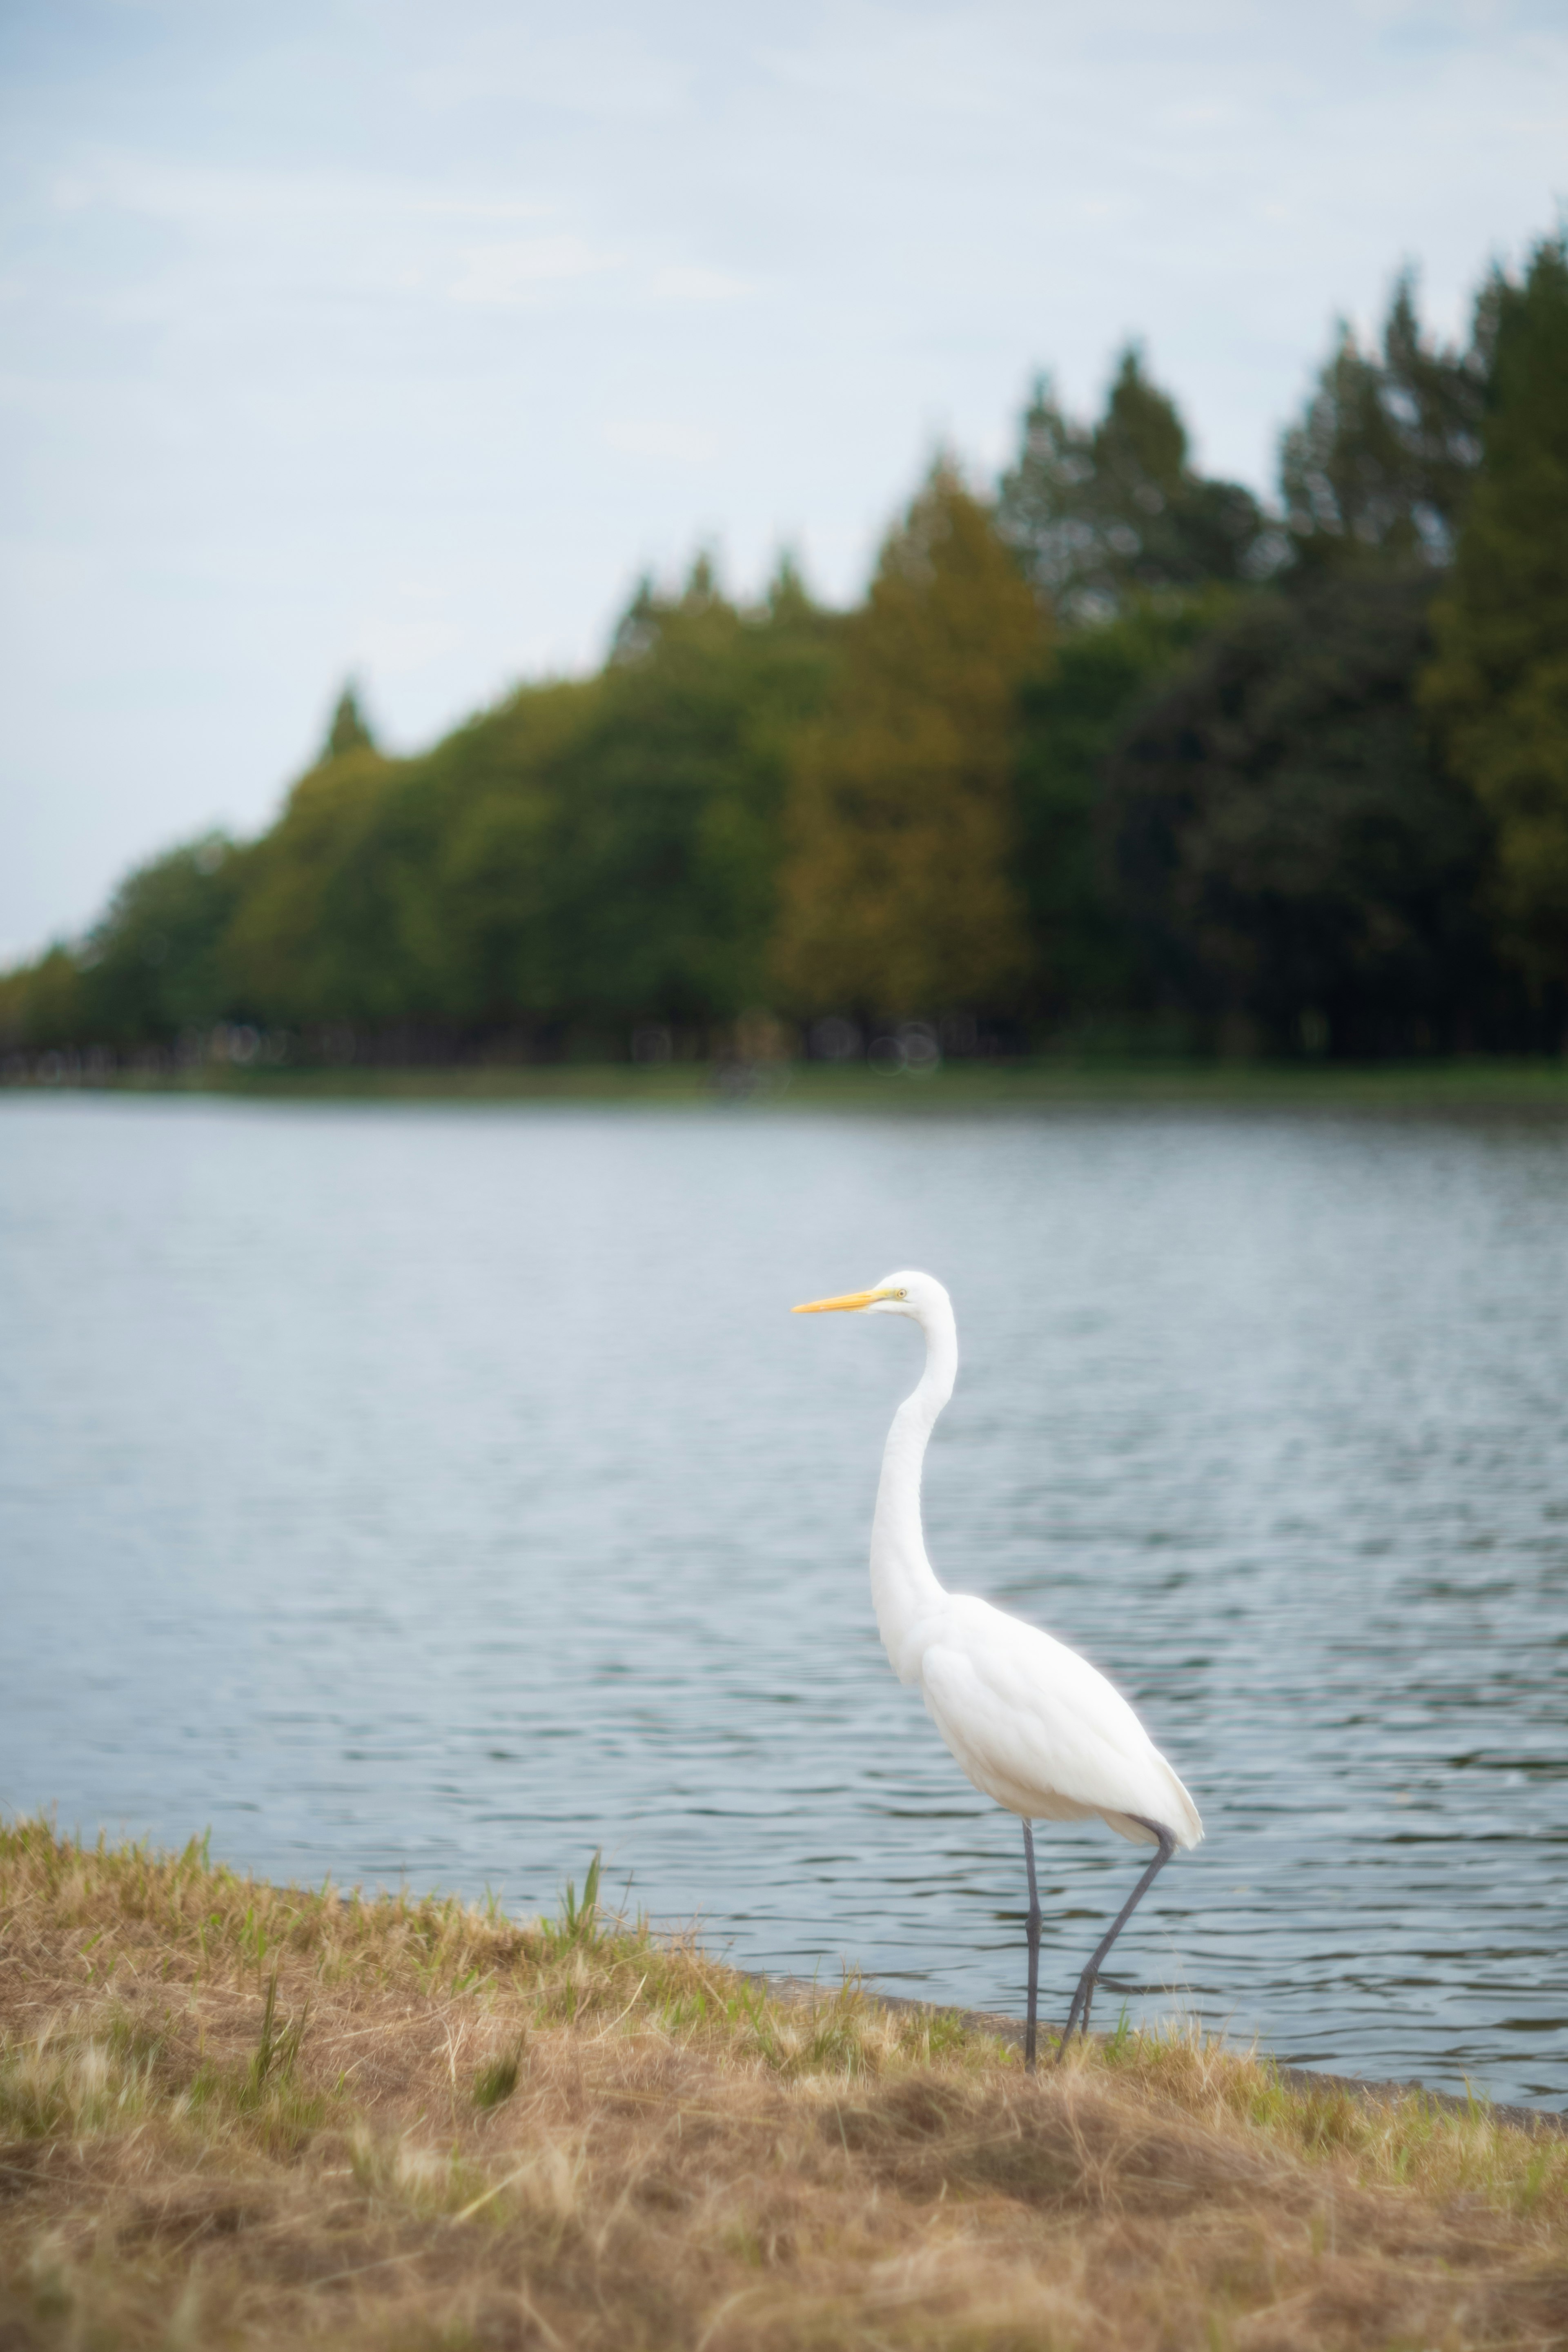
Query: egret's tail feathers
[
  {"x": 1183, "y": 1819},
  {"x": 1178, "y": 1814}
]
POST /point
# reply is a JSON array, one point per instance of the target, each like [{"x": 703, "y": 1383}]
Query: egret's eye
[{"x": 903, "y": 1294}]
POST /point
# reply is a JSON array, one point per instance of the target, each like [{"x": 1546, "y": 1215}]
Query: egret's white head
[{"x": 920, "y": 1297}]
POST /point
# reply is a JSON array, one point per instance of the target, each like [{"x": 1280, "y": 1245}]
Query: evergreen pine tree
[
  {"x": 1293, "y": 862},
  {"x": 1378, "y": 468},
  {"x": 349, "y": 731},
  {"x": 1499, "y": 685},
  {"x": 1104, "y": 515}
]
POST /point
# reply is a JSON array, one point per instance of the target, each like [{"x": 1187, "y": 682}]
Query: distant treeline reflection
[{"x": 1116, "y": 754}]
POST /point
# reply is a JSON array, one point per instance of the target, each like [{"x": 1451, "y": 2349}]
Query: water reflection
[{"x": 445, "y": 1493}]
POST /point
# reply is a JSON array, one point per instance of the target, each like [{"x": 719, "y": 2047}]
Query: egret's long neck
[{"x": 904, "y": 1588}]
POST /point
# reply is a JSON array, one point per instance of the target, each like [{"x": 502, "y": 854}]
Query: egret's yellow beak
[{"x": 850, "y": 1300}]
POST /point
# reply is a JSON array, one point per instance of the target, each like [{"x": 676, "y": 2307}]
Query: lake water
[{"x": 438, "y": 1494}]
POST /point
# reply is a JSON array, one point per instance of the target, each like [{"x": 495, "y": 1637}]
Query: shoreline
[
  {"x": 1309, "y": 2080},
  {"x": 1047, "y": 1083},
  {"x": 235, "y": 2111}
]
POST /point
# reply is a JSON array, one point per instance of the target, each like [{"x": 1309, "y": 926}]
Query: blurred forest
[{"x": 1113, "y": 760}]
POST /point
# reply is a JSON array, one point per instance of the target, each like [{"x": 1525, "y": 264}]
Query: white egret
[{"x": 1033, "y": 1724}]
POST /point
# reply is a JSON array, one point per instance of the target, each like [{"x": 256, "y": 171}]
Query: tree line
[{"x": 1114, "y": 752}]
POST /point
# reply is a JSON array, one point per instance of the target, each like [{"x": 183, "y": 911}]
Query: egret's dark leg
[
  {"x": 1078, "y": 2013},
  {"x": 1034, "y": 1934}
]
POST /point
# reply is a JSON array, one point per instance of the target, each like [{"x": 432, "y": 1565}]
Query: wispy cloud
[
  {"x": 517, "y": 269},
  {"x": 209, "y": 198},
  {"x": 691, "y": 282},
  {"x": 672, "y": 439}
]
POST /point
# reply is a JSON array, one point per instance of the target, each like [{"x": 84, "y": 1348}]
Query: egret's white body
[
  {"x": 1031, "y": 1723},
  {"x": 1039, "y": 1729}
]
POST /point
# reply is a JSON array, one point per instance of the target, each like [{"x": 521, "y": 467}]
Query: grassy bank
[
  {"x": 232, "y": 2114},
  {"x": 1040, "y": 1085}
]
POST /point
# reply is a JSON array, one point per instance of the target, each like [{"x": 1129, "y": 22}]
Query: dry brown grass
[{"x": 233, "y": 2113}]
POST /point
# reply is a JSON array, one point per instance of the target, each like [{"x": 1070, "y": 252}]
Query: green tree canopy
[
  {"x": 1104, "y": 514},
  {"x": 1378, "y": 467},
  {"x": 43, "y": 1003},
  {"x": 349, "y": 731},
  {"x": 897, "y": 895},
  {"x": 590, "y": 853},
  {"x": 1290, "y": 855},
  {"x": 326, "y": 900},
  {"x": 662, "y": 839},
  {"x": 153, "y": 964},
  {"x": 1071, "y": 714},
  {"x": 1499, "y": 685}
]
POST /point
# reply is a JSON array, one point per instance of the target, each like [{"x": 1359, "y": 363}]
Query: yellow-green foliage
[{"x": 897, "y": 894}]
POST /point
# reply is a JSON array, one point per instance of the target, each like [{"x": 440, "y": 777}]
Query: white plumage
[
  {"x": 1036, "y": 1727},
  {"x": 1031, "y": 1723}
]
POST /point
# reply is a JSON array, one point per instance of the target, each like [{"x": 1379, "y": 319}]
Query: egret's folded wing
[{"x": 1042, "y": 1730}]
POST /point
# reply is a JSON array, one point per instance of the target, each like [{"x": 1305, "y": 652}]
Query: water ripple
[{"x": 437, "y": 1495}]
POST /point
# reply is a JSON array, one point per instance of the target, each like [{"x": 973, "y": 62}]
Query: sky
[{"x": 394, "y": 338}]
